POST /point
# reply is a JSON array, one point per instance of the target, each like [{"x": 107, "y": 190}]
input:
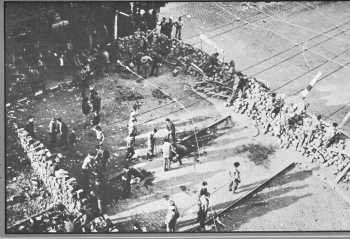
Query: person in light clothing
[
  {"x": 235, "y": 177},
  {"x": 168, "y": 151}
]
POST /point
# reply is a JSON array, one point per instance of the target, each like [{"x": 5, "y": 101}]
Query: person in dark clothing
[
  {"x": 30, "y": 126},
  {"x": 138, "y": 57},
  {"x": 61, "y": 67},
  {"x": 138, "y": 18},
  {"x": 178, "y": 28},
  {"x": 213, "y": 60},
  {"x": 154, "y": 19},
  {"x": 204, "y": 190},
  {"x": 203, "y": 205},
  {"x": 163, "y": 26},
  {"x": 157, "y": 59},
  {"x": 33, "y": 77},
  {"x": 95, "y": 101},
  {"x": 143, "y": 26},
  {"x": 103, "y": 156},
  {"x": 53, "y": 131},
  {"x": 73, "y": 139},
  {"x": 126, "y": 179},
  {"x": 171, "y": 131},
  {"x": 95, "y": 118},
  {"x": 85, "y": 106},
  {"x": 84, "y": 82},
  {"x": 63, "y": 132},
  {"x": 43, "y": 73},
  {"x": 169, "y": 28},
  {"x": 148, "y": 19}
]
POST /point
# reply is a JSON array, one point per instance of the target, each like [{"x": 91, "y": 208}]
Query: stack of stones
[{"x": 62, "y": 187}]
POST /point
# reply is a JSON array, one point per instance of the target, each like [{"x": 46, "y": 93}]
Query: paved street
[{"x": 268, "y": 41}]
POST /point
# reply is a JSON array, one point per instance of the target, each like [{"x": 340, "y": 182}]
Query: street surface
[{"x": 283, "y": 44}]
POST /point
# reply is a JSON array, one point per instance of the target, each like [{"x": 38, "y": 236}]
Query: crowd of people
[{"x": 143, "y": 53}]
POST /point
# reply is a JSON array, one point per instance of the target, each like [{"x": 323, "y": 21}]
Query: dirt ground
[{"x": 261, "y": 37}]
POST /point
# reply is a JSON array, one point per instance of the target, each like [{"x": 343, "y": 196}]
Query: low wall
[{"x": 62, "y": 186}]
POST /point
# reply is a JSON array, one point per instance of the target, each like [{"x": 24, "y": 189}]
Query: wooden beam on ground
[
  {"x": 343, "y": 173},
  {"x": 241, "y": 199},
  {"x": 204, "y": 129}
]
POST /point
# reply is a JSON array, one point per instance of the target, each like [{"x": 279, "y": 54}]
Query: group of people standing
[{"x": 167, "y": 26}]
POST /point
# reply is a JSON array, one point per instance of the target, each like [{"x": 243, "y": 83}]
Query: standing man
[
  {"x": 30, "y": 126},
  {"x": 61, "y": 68},
  {"x": 169, "y": 28},
  {"x": 132, "y": 130},
  {"x": 130, "y": 144},
  {"x": 203, "y": 206},
  {"x": 138, "y": 57},
  {"x": 126, "y": 179},
  {"x": 63, "y": 132},
  {"x": 167, "y": 150},
  {"x": 43, "y": 73},
  {"x": 146, "y": 62},
  {"x": 157, "y": 59},
  {"x": 171, "y": 130},
  {"x": 53, "y": 131},
  {"x": 235, "y": 177},
  {"x": 87, "y": 166},
  {"x": 163, "y": 26},
  {"x": 171, "y": 217},
  {"x": 99, "y": 135},
  {"x": 151, "y": 141},
  {"x": 178, "y": 28}
]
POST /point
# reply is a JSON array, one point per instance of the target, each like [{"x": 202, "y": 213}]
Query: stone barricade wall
[{"x": 62, "y": 186}]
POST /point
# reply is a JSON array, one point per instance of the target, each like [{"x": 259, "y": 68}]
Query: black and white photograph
[{"x": 176, "y": 117}]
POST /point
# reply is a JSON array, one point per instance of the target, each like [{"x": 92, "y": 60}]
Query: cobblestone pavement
[
  {"x": 237, "y": 141},
  {"x": 261, "y": 38}
]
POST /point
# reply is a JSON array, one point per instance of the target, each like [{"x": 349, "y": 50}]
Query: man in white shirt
[
  {"x": 235, "y": 176},
  {"x": 99, "y": 135},
  {"x": 168, "y": 151}
]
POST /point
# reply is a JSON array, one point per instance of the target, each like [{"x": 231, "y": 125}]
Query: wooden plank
[{"x": 241, "y": 199}]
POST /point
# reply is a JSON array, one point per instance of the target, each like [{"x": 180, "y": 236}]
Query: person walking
[
  {"x": 235, "y": 177},
  {"x": 171, "y": 217}
]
